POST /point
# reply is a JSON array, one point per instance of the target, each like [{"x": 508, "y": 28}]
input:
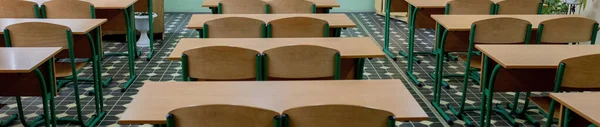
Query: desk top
[
  {"x": 102, "y": 4},
  {"x": 433, "y": 3},
  {"x": 24, "y": 60},
  {"x": 363, "y": 47},
  {"x": 464, "y": 22},
  {"x": 534, "y": 56},
  {"x": 389, "y": 95},
  {"x": 334, "y": 20},
  {"x": 78, "y": 26},
  {"x": 318, "y": 3},
  {"x": 584, "y": 104}
]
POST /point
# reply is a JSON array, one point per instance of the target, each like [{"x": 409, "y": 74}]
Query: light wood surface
[
  {"x": 243, "y": 7},
  {"x": 24, "y": 60},
  {"x": 349, "y": 47},
  {"x": 337, "y": 116},
  {"x": 68, "y": 9},
  {"x": 567, "y": 30},
  {"x": 300, "y": 62},
  {"x": 102, "y": 4},
  {"x": 318, "y": 3},
  {"x": 509, "y": 7},
  {"x": 433, "y": 3},
  {"x": 290, "y": 6},
  {"x": 228, "y": 116},
  {"x": 470, "y": 7},
  {"x": 584, "y": 104},
  {"x": 222, "y": 63},
  {"x": 582, "y": 72},
  {"x": 534, "y": 56},
  {"x": 463, "y": 22},
  {"x": 297, "y": 27},
  {"x": 156, "y": 99},
  {"x": 78, "y": 26},
  {"x": 17, "y": 9},
  {"x": 334, "y": 20},
  {"x": 235, "y": 27}
]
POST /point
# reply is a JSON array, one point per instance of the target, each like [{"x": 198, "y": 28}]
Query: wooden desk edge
[
  {"x": 478, "y": 47},
  {"x": 58, "y": 49},
  {"x": 331, "y": 26},
  {"x": 95, "y": 26},
  {"x": 553, "y": 96}
]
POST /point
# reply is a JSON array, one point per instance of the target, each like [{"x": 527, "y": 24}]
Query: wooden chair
[
  {"x": 501, "y": 30},
  {"x": 68, "y": 9},
  {"x": 291, "y": 6},
  {"x": 221, "y": 63},
  {"x": 222, "y": 116},
  {"x": 38, "y": 34},
  {"x": 574, "y": 74},
  {"x": 297, "y": 27},
  {"x": 234, "y": 27},
  {"x": 519, "y": 7},
  {"x": 337, "y": 116},
  {"x": 18, "y": 9},
  {"x": 567, "y": 30},
  {"x": 300, "y": 62},
  {"x": 242, "y": 7},
  {"x": 470, "y": 7}
]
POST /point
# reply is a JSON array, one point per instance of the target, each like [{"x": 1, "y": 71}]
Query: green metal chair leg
[
  {"x": 386, "y": 33},
  {"x": 8, "y": 120},
  {"x": 131, "y": 47},
  {"x": 151, "y": 33}
]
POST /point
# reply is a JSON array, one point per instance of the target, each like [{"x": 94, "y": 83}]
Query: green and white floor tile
[{"x": 162, "y": 69}]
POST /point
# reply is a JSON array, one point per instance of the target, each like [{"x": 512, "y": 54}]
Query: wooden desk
[
  {"x": 24, "y": 60},
  {"x": 352, "y": 50},
  {"x": 390, "y": 95},
  {"x": 585, "y": 106},
  {"x": 323, "y": 6},
  {"x": 464, "y": 22},
  {"x": 18, "y": 77},
  {"x": 78, "y": 26},
  {"x": 336, "y": 21},
  {"x": 525, "y": 68}
]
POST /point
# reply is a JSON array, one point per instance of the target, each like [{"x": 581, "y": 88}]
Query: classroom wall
[{"x": 196, "y": 6}]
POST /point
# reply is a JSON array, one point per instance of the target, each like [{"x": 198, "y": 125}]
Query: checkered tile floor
[{"x": 161, "y": 69}]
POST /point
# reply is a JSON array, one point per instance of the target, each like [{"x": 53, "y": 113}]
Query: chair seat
[
  {"x": 63, "y": 69},
  {"x": 475, "y": 60},
  {"x": 544, "y": 104}
]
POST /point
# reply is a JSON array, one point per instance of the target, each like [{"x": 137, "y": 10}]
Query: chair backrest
[
  {"x": 470, "y": 7},
  {"x": 567, "y": 30},
  {"x": 298, "y": 27},
  {"x": 221, "y": 63},
  {"x": 221, "y": 116},
  {"x": 301, "y": 62},
  {"x": 291, "y": 6},
  {"x": 18, "y": 9},
  {"x": 337, "y": 116},
  {"x": 502, "y": 30},
  {"x": 37, "y": 34},
  {"x": 68, "y": 9},
  {"x": 519, "y": 7},
  {"x": 581, "y": 72},
  {"x": 242, "y": 7},
  {"x": 234, "y": 27}
]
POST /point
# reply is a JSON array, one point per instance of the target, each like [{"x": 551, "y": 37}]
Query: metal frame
[{"x": 95, "y": 119}]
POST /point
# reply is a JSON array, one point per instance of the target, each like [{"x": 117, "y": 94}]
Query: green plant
[{"x": 555, "y": 7}]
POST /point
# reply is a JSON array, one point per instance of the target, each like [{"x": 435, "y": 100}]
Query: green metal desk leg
[
  {"x": 214, "y": 10},
  {"x": 438, "y": 81},
  {"x": 337, "y": 32},
  {"x": 359, "y": 70},
  {"x": 151, "y": 33},
  {"x": 9, "y": 120},
  {"x": 326, "y": 10},
  {"x": 411, "y": 44},
  {"x": 131, "y": 46},
  {"x": 386, "y": 38}
]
